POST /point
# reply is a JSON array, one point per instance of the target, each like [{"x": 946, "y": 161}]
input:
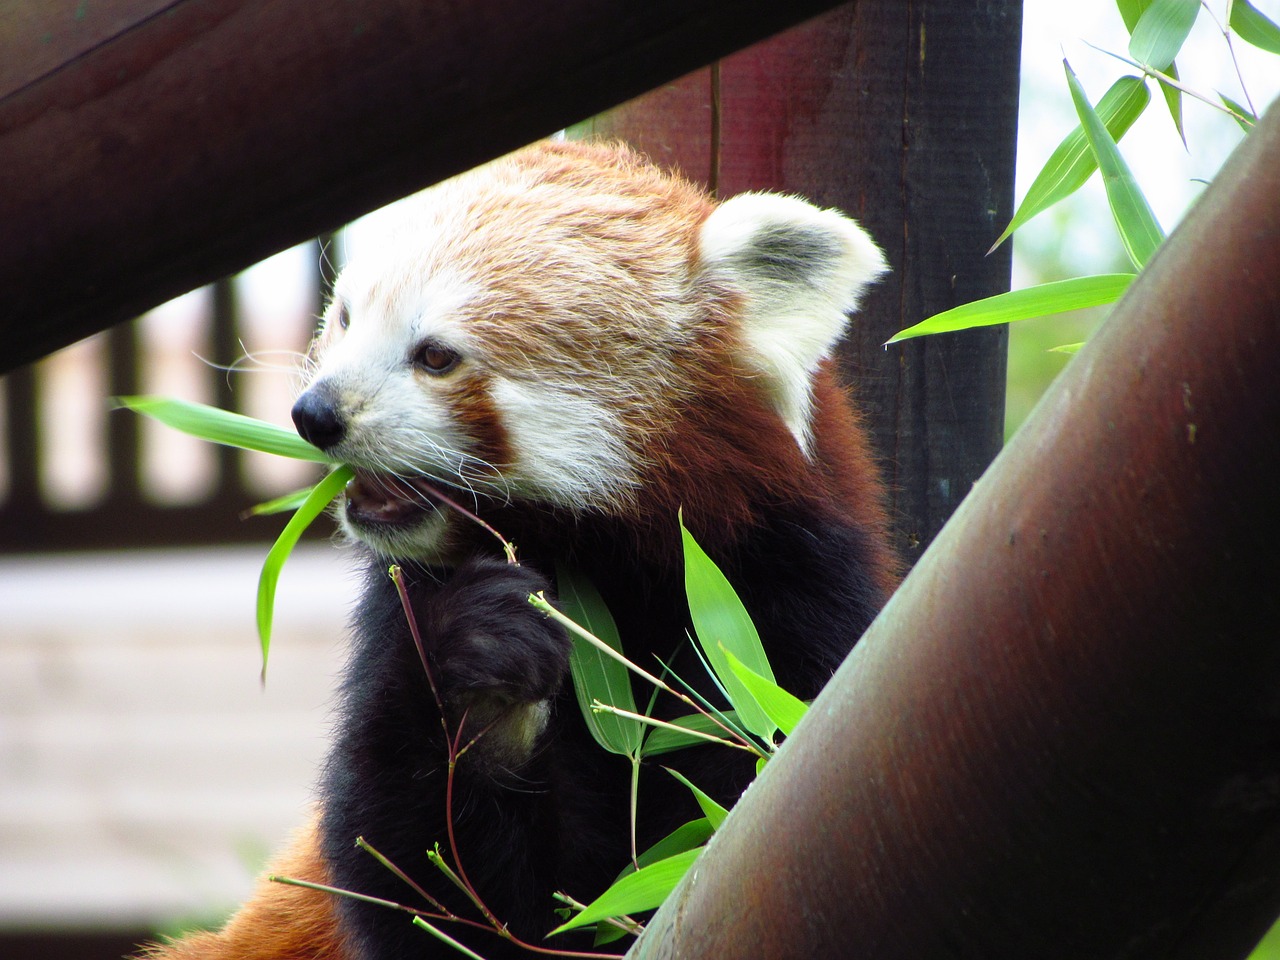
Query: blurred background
[{"x": 145, "y": 771}]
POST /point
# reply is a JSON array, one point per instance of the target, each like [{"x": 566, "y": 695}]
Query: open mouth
[{"x": 381, "y": 499}]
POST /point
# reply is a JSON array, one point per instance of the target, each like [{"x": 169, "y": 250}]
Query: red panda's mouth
[{"x": 384, "y": 499}]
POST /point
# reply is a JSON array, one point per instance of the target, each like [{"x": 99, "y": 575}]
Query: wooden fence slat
[
  {"x": 23, "y": 446},
  {"x": 40, "y": 37},
  {"x": 225, "y": 347},
  {"x": 124, "y": 433}
]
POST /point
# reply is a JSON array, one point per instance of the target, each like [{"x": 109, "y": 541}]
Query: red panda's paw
[{"x": 498, "y": 659}]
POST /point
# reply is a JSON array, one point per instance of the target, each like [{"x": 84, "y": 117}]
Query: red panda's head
[{"x": 572, "y": 329}]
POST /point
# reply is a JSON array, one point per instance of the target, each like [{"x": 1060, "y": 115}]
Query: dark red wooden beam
[
  {"x": 162, "y": 145},
  {"x": 1062, "y": 737}
]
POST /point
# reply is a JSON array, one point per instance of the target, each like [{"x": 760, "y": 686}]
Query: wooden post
[{"x": 904, "y": 116}]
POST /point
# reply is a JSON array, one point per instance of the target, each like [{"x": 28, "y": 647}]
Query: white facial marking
[
  {"x": 395, "y": 421},
  {"x": 568, "y": 447}
]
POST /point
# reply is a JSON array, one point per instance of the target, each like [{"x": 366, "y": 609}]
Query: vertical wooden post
[
  {"x": 225, "y": 345},
  {"x": 904, "y": 116},
  {"x": 124, "y": 434},
  {"x": 22, "y": 447}
]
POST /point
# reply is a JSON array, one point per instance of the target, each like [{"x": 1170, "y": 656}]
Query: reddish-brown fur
[
  {"x": 280, "y": 921},
  {"x": 733, "y": 456},
  {"x": 473, "y": 406}
]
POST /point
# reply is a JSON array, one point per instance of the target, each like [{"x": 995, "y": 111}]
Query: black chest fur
[{"x": 551, "y": 814}]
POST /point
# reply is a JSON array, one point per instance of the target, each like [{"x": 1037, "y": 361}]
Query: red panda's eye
[{"x": 434, "y": 359}]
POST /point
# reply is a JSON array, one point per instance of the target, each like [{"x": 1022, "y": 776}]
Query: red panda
[{"x": 576, "y": 345}]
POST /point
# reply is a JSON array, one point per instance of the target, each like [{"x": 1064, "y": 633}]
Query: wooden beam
[{"x": 146, "y": 153}]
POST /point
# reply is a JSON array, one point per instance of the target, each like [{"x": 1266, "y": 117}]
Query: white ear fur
[{"x": 800, "y": 270}]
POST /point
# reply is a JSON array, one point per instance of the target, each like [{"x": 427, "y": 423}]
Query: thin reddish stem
[
  {"x": 368, "y": 848},
  {"x": 397, "y": 577},
  {"x": 434, "y": 491}
]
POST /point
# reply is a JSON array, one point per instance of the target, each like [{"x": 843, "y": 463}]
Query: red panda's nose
[{"x": 317, "y": 418}]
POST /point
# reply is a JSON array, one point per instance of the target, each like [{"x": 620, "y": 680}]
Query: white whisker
[{"x": 255, "y": 362}]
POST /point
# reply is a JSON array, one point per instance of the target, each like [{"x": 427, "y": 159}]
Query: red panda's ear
[{"x": 800, "y": 270}]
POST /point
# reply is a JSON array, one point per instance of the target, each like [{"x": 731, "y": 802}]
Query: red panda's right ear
[{"x": 800, "y": 270}]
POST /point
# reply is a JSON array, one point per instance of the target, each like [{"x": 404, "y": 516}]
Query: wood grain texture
[{"x": 203, "y": 139}]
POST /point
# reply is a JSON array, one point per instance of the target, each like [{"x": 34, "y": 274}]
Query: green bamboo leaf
[
  {"x": 720, "y": 619},
  {"x": 224, "y": 427},
  {"x": 1068, "y": 348},
  {"x": 688, "y": 836},
  {"x": 319, "y": 498},
  {"x": 664, "y": 740},
  {"x": 1161, "y": 31},
  {"x": 597, "y": 676},
  {"x": 1131, "y": 12},
  {"x": 1041, "y": 300},
  {"x": 714, "y": 812},
  {"x": 607, "y": 933},
  {"x": 1140, "y": 232},
  {"x": 645, "y": 889},
  {"x": 1241, "y": 114},
  {"x": 1173, "y": 100},
  {"x": 1253, "y": 27},
  {"x": 783, "y": 708},
  {"x": 1071, "y": 164},
  {"x": 283, "y": 504}
]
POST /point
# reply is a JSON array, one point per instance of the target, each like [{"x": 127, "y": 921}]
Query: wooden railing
[{"x": 133, "y": 486}]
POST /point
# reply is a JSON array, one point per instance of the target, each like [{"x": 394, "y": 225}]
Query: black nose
[{"x": 317, "y": 418}]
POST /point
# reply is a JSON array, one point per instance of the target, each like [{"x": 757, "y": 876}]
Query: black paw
[{"x": 488, "y": 642}]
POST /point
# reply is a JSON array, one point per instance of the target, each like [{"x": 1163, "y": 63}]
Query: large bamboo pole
[
  {"x": 1062, "y": 737},
  {"x": 176, "y": 141}
]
